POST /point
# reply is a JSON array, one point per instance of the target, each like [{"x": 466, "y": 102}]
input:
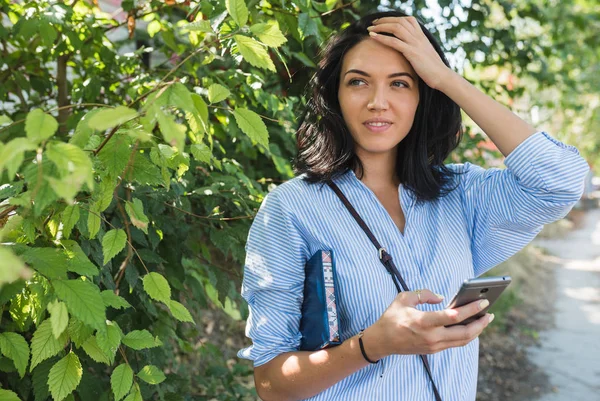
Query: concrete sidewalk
[{"x": 570, "y": 352}]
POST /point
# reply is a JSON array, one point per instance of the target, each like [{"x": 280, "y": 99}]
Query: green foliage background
[{"x": 131, "y": 167}]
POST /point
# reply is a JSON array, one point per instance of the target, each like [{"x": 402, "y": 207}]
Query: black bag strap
[{"x": 386, "y": 260}]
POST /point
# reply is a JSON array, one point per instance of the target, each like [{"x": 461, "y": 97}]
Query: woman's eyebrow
[{"x": 396, "y": 74}]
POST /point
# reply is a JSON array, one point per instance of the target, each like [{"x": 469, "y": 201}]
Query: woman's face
[{"x": 378, "y": 96}]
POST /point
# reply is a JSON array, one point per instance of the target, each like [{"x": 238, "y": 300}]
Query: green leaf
[
  {"x": 238, "y": 11},
  {"x": 115, "y": 155},
  {"x": 198, "y": 26},
  {"x": 307, "y": 26},
  {"x": 15, "y": 347},
  {"x": 217, "y": 93},
  {"x": 5, "y": 120},
  {"x": 173, "y": 132},
  {"x": 78, "y": 261},
  {"x": 151, "y": 374},
  {"x": 51, "y": 262},
  {"x": 69, "y": 217},
  {"x": 83, "y": 131},
  {"x": 104, "y": 193},
  {"x": 91, "y": 347},
  {"x": 144, "y": 172},
  {"x": 109, "y": 342},
  {"x": 113, "y": 300},
  {"x": 121, "y": 380},
  {"x": 59, "y": 317},
  {"x": 154, "y": 27},
  {"x": 75, "y": 168},
  {"x": 47, "y": 33},
  {"x": 107, "y": 118},
  {"x": 7, "y": 395},
  {"x": 136, "y": 394},
  {"x": 135, "y": 210},
  {"x": 40, "y": 126},
  {"x": 13, "y": 153},
  {"x": 93, "y": 221},
  {"x": 79, "y": 332},
  {"x": 40, "y": 374},
  {"x": 83, "y": 300},
  {"x": 252, "y": 125},
  {"x": 157, "y": 287},
  {"x": 141, "y": 339},
  {"x": 180, "y": 312},
  {"x": 11, "y": 267},
  {"x": 198, "y": 120},
  {"x": 269, "y": 33},
  {"x": 201, "y": 152},
  {"x": 254, "y": 53},
  {"x": 175, "y": 95},
  {"x": 113, "y": 242},
  {"x": 44, "y": 345},
  {"x": 65, "y": 376}
]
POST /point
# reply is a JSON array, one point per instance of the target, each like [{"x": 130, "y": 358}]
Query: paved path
[{"x": 570, "y": 352}]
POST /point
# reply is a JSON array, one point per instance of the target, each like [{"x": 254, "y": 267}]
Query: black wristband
[{"x": 362, "y": 347}]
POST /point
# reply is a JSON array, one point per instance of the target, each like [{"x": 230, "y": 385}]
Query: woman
[{"x": 383, "y": 117}]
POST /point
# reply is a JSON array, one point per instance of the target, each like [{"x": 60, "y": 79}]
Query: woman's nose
[{"x": 378, "y": 100}]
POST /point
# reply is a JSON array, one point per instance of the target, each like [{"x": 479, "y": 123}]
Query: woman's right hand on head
[{"x": 403, "y": 329}]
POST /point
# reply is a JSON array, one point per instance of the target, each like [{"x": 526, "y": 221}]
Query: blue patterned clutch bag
[{"x": 319, "y": 324}]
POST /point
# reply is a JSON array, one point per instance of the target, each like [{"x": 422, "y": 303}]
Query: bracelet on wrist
[{"x": 362, "y": 347}]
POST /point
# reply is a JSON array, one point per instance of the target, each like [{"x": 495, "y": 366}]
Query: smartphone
[{"x": 475, "y": 289}]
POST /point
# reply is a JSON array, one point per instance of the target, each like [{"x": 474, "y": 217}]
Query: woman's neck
[{"x": 380, "y": 172}]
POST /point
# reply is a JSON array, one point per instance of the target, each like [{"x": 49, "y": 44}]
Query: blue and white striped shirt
[{"x": 490, "y": 216}]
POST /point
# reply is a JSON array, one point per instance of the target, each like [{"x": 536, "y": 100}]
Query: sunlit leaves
[
  {"x": 157, "y": 287},
  {"x": 217, "y": 93},
  {"x": 269, "y": 33},
  {"x": 180, "y": 312},
  {"x": 107, "y": 118},
  {"x": 11, "y": 266},
  {"x": 151, "y": 374},
  {"x": 113, "y": 242},
  {"x": 135, "y": 210},
  {"x": 238, "y": 11},
  {"x": 44, "y": 345},
  {"x": 113, "y": 300},
  {"x": 141, "y": 339},
  {"x": 75, "y": 168},
  {"x": 121, "y": 381},
  {"x": 83, "y": 300},
  {"x": 253, "y": 52},
  {"x": 252, "y": 125},
  {"x": 65, "y": 376},
  {"x": 14, "y": 347},
  {"x": 40, "y": 126},
  {"x": 59, "y": 317}
]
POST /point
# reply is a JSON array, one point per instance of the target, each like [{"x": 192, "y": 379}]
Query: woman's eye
[
  {"x": 399, "y": 83},
  {"x": 355, "y": 82}
]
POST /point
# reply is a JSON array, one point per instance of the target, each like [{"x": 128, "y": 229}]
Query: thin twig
[
  {"x": 210, "y": 218},
  {"x": 336, "y": 9},
  {"x": 231, "y": 110}
]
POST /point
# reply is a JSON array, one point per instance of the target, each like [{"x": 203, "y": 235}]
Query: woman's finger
[
  {"x": 466, "y": 333},
  {"x": 392, "y": 42},
  {"x": 398, "y": 30},
  {"x": 424, "y": 296},
  {"x": 447, "y": 317}
]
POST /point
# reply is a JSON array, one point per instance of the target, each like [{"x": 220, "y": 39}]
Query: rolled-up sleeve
[
  {"x": 276, "y": 252},
  {"x": 506, "y": 208}
]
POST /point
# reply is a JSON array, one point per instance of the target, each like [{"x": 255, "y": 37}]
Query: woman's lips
[{"x": 377, "y": 127}]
